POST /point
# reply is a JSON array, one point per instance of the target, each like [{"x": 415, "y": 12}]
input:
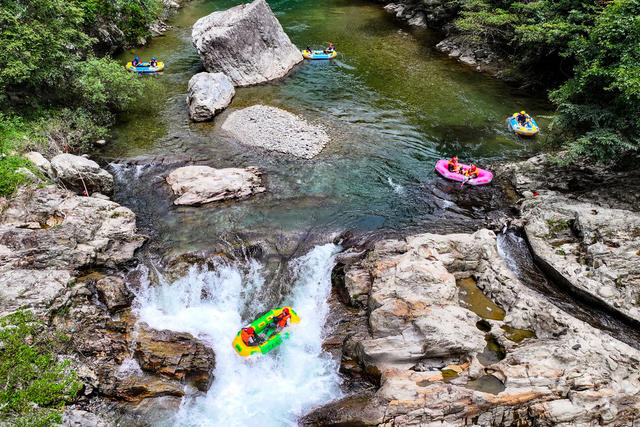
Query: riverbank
[{"x": 522, "y": 361}]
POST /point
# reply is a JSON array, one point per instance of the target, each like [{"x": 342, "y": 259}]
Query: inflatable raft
[
  {"x": 483, "y": 178},
  {"x": 318, "y": 54},
  {"x": 260, "y": 325},
  {"x": 529, "y": 129},
  {"x": 145, "y": 67}
]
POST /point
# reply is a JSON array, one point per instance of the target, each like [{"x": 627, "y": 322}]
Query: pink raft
[{"x": 485, "y": 176}]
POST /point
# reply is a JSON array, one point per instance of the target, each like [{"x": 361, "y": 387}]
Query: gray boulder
[
  {"x": 196, "y": 185},
  {"x": 41, "y": 163},
  {"x": 277, "y": 130},
  {"x": 209, "y": 93},
  {"x": 246, "y": 42},
  {"x": 77, "y": 172}
]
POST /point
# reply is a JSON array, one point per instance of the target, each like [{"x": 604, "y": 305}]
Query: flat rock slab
[
  {"x": 246, "y": 42},
  {"x": 197, "y": 185},
  {"x": 276, "y": 130},
  {"x": 209, "y": 93}
]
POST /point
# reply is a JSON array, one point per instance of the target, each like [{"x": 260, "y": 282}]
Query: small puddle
[
  {"x": 448, "y": 374},
  {"x": 492, "y": 353},
  {"x": 487, "y": 384},
  {"x": 472, "y": 298},
  {"x": 517, "y": 335}
]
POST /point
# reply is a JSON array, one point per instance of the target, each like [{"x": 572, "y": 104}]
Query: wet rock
[
  {"x": 246, "y": 42},
  {"x": 113, "y": 292},
  {"x": 209, "y": 93},
  {"x": 196, "y": 185},
  {"x": 78, "y": 174},
  {"x": 277, "y": 130},
  {"x": 175, "y": 355},
  {"x": 41, "y": 163},
  {"x": 137, "y": 389}
]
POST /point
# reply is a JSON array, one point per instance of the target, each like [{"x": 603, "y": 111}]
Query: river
[{"x": 392, "y": 106}]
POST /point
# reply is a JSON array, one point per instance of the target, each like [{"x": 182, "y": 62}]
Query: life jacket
[
  {"x": 246, "y": 335},
  {"x": 281, "y": 320},
  {"x": 473, "y": 171}
]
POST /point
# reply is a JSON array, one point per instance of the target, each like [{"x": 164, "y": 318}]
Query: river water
[{"x": 392, "y": 106}]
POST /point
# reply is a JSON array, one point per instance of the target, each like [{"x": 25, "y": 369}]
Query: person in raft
[
  {"x": 153, "y": 62},
  {"x": 249, "y": 337},
  {"x": 309, "y": 49},
  {"x": 472, "y": 172},
  {"x": 453, "y": 165},
  {"x": 135, "y": 62},
  {"x": 329, "y": 49},
  {"x": 279, "y": 321},
  {"x": 522, "y": 118}
]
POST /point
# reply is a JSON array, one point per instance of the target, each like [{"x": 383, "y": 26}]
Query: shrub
[{"x": 34, "y": 384}]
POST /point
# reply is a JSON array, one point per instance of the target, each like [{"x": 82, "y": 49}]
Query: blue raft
[
  {"x": 318, "y": 54},
  {"x": 145, "y": 68}
]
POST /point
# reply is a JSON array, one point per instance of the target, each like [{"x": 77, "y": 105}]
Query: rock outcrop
[
  {"x": 175, "y": 355},
  {"x": 246, "y": 42},
  {"x": 426, "y": 349},
  {"x": 197, "y": 185},
  {"x": 275, "y": 129},
  {"x": 209, "y": 93},
  {"x": 78, "y": 173},
  {"x": 584, "y": 229}
]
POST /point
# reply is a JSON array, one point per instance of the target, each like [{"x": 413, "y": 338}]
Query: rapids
[{"x": 214, "y": 304}]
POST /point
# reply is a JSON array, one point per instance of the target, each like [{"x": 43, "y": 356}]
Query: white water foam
[
  {"x": 399, "y": 189},
  {"x": 269, "y": 390}
]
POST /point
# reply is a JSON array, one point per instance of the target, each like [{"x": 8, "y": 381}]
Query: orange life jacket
[
  {"x": 246, "y": 335},
  {"x": 281, "y": 320},
  {"x": 474, "y": 171}
]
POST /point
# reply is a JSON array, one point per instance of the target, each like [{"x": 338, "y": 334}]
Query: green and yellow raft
[{"x": 259, "y": 325}]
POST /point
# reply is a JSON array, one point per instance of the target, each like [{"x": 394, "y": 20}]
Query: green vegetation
[
  {"x": 56, "y": 94},
  {"x": 35, "y": 385},
  {"x": 589, "y": 50}
]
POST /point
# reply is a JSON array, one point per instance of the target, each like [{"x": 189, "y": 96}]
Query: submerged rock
[
  {"x": 246, "y": 42},
  {"x": 78, "y": 173},
  {"x": 196, "y": 185},
  {"x": 209, "y": 93},
  {"x": 277, "y": 130}
]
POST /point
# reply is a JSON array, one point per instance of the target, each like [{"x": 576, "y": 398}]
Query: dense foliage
[
  {"x": 590, "y": 49},
  {"x": 34, "y": 383},
  {"x": 56, "y": 94}
]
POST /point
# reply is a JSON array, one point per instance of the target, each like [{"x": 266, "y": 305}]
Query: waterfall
[{"x": 268, "y": 390}]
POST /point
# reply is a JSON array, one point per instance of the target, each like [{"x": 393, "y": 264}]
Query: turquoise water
[{"x": 391, "y": 103}]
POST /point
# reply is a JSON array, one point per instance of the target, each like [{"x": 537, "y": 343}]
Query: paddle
[{"x": 465, "y": 179}]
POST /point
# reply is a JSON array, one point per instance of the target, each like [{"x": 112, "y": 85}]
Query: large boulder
[
  {"x": 78, "y": 173},
  {"x": 275, "y": 129},
  {"x": 53, "y": 229},
  {"x": 196, "y": 185},
  {"x": 209, "y": 93},
  {"x": 175, "y": 355},
  {"x": 246, "y": 42}
]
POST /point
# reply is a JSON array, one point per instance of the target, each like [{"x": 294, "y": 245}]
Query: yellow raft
[
  {"x": 145, "y": 67},
  {"x": 260, "y": 325}
]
